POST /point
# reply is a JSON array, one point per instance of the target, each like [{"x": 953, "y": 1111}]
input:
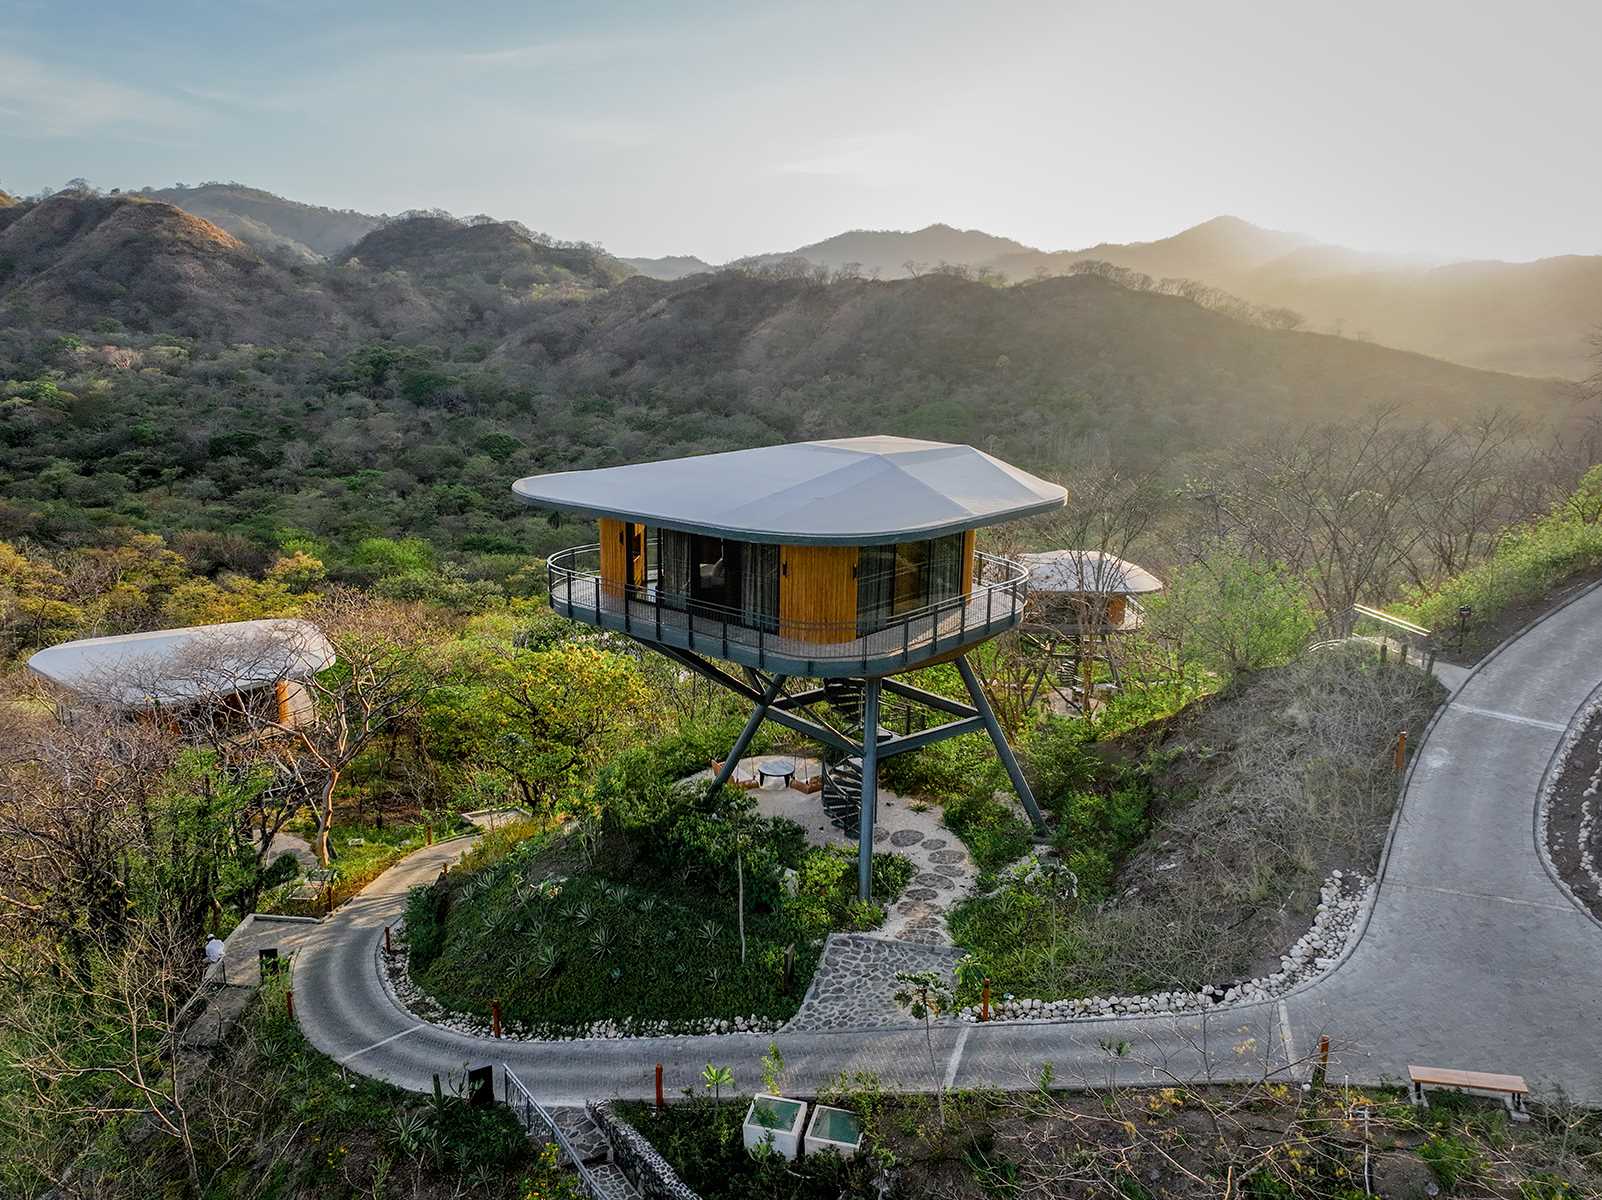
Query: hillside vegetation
[{"x": 158, "y": 373}]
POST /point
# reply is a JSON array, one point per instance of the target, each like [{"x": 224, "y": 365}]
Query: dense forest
[{"x": 194, "y": 431}]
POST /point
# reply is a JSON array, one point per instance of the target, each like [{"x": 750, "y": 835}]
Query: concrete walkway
[{"x": 1472, "y": 957}]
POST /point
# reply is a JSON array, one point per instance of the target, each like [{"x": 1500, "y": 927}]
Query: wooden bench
[{"x": 1511, "y": 1090}]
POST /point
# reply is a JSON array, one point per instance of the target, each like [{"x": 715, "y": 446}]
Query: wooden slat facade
[
  {"x": 967, "y": 562},
  {"x": 620, "y": 568},
  {"x": 818, "y": 584}
]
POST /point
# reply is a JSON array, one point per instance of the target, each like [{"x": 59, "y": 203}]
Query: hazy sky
[{"x": 1457, "y": 128}]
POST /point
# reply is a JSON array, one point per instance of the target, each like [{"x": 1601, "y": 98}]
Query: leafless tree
[{"x": 1333, "y": 503}]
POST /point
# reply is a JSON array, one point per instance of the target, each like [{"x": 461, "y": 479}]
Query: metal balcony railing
[{"x": 816, "y": 648}]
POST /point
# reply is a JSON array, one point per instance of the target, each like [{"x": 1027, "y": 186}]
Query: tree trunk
[{"x": 325, "y": 818}]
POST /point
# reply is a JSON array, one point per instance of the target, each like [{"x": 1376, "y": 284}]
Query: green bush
[
  {"x": 993, "y": 832},
  {"x": 703, "y": 1143},
  {"x": 1527, "y": 563},
  {"x": 649, "y": 931},
  {"x": 1453, "y": 1160}
]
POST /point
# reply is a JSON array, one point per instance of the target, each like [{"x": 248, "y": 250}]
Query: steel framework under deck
[{"x": 771, "y": 702}]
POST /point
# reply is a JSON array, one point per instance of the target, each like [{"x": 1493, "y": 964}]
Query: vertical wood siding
[
  {"x": 615, "y": 565},
  {"x": 967, "y": 561},
  {"x": 818, "y": 584}
]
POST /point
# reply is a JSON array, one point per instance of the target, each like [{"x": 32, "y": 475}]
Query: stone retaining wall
[{"x": 647, "y": 1170}]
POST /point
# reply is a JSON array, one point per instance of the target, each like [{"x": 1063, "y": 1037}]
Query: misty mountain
[
  {"x": 886, "y": 253},
  {"x": 271, "y": 222},
  {"x": 400, "y": 387},
  {"x": 672, "y": 266},
  {"x": 1530, "y": 318}
]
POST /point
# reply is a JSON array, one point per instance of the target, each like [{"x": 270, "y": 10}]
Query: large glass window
[
  {"x": 719, "y": 577},
  {"x": 896, "y": 581}
]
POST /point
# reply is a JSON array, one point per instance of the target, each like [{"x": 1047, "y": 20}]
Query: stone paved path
[
  {"x": 1472, "y": 957},
  {"x": 855, "y": 984}
]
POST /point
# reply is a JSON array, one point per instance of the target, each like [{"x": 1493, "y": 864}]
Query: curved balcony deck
[{"x": 816, "y": 649}]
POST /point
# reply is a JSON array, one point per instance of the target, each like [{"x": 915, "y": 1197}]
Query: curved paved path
[{"x": 1472, "y": 957}]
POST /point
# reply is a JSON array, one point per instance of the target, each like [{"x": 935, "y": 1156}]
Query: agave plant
[
  {"x": 411, "y": 1132},
  {"x": 647, "y": 906},
  {"x": 602, "y": 941},
  {"x": 709, "y": 931},
  {"x": 581, "y": 913},
  {"x": 543, "y": 960}
]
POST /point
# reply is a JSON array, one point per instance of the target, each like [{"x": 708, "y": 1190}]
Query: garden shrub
[
  {"x": 1528, "y": 562},
  {"x": 649, "y": 930},
  {"x": 1453, "y": 1160},
  {"x": 703, "y": 1143}
]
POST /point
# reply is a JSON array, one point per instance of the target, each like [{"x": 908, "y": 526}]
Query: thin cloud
[{"x": 49, "y": 102}]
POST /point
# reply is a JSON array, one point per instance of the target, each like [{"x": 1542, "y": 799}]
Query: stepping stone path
[{"x": 854, "y": 987}]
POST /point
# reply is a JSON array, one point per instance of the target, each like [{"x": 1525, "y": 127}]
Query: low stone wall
[{"x": 647, "y": 1170}]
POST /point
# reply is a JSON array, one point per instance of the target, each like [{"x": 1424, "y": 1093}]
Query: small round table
[{"x": 779, "y": 768}]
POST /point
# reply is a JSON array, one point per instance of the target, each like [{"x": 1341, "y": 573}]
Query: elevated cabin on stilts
[
  {"x": 848, "y": 562},
  {"x": 1079, "y": 600}
]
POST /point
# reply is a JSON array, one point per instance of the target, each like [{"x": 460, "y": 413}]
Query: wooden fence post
[
  {"x": 495, "y": 1018},
  {"x": 660, "y": 1102},
  {"x": 387, "y": 949},
  {"x": 1401, "y": 750},
  {"x": 984, "y": 1002},
  {"x": 289, "y": 1002}
]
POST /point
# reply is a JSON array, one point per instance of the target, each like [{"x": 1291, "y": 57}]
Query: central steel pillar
[{"x": 868, "y": 811}]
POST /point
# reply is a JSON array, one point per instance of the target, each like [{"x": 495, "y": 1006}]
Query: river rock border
[
  {"x": 1584, "y": 723},
  {"x": 394, "y": 971},
  {"x": 1343, "y": 902}
]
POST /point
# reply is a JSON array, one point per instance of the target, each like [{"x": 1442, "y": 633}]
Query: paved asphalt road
[{"x": 1472, "y": 957}]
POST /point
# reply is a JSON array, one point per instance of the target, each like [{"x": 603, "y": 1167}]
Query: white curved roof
[
  {"x": 850, "y": 491},
  {"x": 1087, "y": 571},
  {"x": 174, "y": 666}
]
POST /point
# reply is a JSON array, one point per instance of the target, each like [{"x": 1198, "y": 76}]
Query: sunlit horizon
[{"x": 722, "y": 131}]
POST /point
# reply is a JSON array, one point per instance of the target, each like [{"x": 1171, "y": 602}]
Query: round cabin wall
[{"x": 818, "y": 585}]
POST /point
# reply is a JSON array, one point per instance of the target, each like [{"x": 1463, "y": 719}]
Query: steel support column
[
  {"x": 1014, "y": 772},
  {"x": 749, "y": 732},
  {"x": 868, "y": 812}
]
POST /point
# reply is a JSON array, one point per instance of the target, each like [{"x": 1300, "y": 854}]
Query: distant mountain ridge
[
  {"x": 1531, "y": 318},
  {"x": 891, "y": 254},
  {"x": 670, "y": 267},
  {"x": 271, "y": 222}
]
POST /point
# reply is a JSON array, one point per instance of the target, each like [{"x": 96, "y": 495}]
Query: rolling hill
[
  {"x": 673, "y": 266},
  {"x": 887, "y": 253},
  {"x": 271, "y": 222},
  {"x": 398, "y": 389},
  {"x": 1531, "y": 318},
  {"x": 75, "y": 261},
  {"x": 501, "y": 254}
]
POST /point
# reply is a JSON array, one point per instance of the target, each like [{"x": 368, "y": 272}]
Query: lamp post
[{"x": 1464, "y": 612}]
